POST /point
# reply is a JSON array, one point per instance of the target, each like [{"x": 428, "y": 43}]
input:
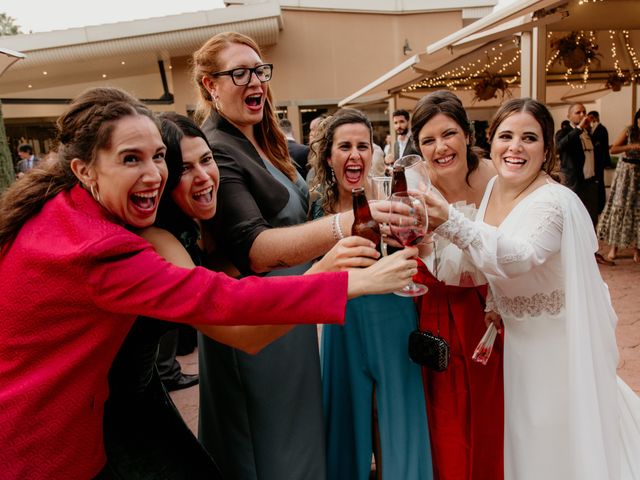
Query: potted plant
[
  {"x": 574, "y": 50},
  {"x": 615, "y": 81},
  {"x": 489, "y": 85}
]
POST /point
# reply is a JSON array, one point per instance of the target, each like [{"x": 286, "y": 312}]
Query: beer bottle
[
  {"x": 399, "y": 180},
  {"x": 398, "y": 185},
  {"x": 363, "y": 223}
]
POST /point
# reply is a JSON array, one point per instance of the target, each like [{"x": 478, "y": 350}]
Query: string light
[
  {"x": 462, "y": 77},
  {"x": 632, "y": 53},
  {"x": 614, "y": 55},
  {"x": 581, "y": 2}
]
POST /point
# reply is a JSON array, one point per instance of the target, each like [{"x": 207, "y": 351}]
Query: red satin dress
[{"x": 465, "y": 403}]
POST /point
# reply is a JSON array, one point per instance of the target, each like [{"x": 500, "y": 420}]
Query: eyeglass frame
[{"x": 252, "y": 71}]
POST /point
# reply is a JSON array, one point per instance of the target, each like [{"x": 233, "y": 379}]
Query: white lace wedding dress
[{"x": 567, "y": 415}]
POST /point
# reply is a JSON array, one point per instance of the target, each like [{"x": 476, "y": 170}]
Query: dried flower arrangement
[
  {"x": 489, "y": 85},
  {"x": 615, "y": 81},
  {"x": 574, "y": 50}
]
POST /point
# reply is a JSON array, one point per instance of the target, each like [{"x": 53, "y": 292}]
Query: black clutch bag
[{"x": 429, "y": 350}]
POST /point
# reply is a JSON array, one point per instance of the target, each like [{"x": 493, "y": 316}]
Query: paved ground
[{"x": 624, "y": 284}]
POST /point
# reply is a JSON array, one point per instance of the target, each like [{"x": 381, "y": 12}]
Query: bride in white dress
[{"x": 567, "y": 415}]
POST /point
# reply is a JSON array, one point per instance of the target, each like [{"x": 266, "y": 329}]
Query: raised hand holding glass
[{"x": 408, "y": 223}]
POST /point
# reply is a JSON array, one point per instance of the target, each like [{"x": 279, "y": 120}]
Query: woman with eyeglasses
[{"x": 261, "y": 416}]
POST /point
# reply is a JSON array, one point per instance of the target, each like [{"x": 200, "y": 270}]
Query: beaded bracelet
[{"x": 337, "y": 228}]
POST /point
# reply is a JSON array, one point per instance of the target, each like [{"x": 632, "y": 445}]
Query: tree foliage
[{"x": 8, "y": 25}]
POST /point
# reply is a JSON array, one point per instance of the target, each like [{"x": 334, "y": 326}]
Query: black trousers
[{"x": 588, "y": 193}]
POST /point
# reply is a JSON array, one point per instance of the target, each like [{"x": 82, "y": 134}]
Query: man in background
[
  {"x": 600, "y": 139},
  {"x": 27, "y": 160},
  {"x": 578, "y": 163},
  {"x": 404, "y": 142}
]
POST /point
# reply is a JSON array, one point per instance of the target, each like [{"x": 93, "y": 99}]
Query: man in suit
[
  {"x": 578, "y": 163},
  {"x": 600, "y": 139},
  {"x": 404, "y": 142},
  {"x": 299, "y": 153},
  {"x": 27, "y": 159}
]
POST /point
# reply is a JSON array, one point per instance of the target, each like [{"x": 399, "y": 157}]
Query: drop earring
[
  {"x": 94, "y": 192},
  {"x": 333, "y": 177}
]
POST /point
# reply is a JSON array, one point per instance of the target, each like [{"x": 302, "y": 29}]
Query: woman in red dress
[{"x": 465, "y": 402}]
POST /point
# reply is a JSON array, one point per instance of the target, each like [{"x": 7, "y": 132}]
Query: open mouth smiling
[
  {"x": 204, "y": 196},
  {"x": 443, "y": 160},
  {"x": 514, "y": 161},
  {"x": 353, "y": 173},
  {"x": 145, "y": 200},
  {"x": 254, "y": 100}
]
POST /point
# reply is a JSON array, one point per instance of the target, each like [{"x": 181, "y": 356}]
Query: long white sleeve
[{"x": 496, "y": 254}]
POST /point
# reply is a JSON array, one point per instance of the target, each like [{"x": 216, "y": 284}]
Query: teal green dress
[
  {"x": 261, "y": 415},
  {"x": 370, "y": 351}
]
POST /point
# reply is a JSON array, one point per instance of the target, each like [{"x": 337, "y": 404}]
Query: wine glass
[
  {"x": 416, "y": 172},
  {"x": 408, "y": 222},
  {"x": 380, "y": 190}
]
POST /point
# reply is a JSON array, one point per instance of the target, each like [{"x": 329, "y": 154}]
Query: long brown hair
[
  {"x": 448, "y": 104},
  {"x": 538, "y": 111},
  {"x": 268, "y": 134},
  {"x": 321, "y": 151},
  {"x": 83, "y": 129}
]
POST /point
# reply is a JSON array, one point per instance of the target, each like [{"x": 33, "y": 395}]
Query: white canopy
[
  {"x": 512, "y": 42},
  {"x": 8, "y": 58}
]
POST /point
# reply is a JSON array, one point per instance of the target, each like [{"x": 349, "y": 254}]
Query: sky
[{"x": 42, "y": 16}]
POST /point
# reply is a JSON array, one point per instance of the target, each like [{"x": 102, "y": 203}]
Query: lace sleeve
[{"x": 537, "y": 237}]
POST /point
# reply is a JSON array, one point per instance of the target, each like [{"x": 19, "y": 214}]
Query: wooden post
[
  {"x": 526, "y": 89},
  {"x": 539, "y": 63}
]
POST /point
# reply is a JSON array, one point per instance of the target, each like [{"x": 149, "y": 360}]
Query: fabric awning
[{"x": 8, "y": 58}]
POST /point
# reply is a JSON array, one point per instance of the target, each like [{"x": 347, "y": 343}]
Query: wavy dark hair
[
  {"x": 173, "y": 128},
  {"x": 82, "y": 130},
  {"x": 446, "y": 103},
  {"x": 540, "y": 112},
  {"x": 321, "y": 151}
]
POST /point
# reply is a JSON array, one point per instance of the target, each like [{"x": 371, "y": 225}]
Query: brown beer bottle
[
  {"x": 399, "y": 180},
  {"x": 398, "y": 184},
  {"x": 363, "y": 223}
]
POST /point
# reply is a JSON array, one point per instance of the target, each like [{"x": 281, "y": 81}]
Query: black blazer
[
  {"x": 299, "y": 154},
  {"x": 571, "y": 157},
  {"x": 248, "y": 194},
  {"x": 410, "y": 149},
  {"x": 600, "y": 139}
]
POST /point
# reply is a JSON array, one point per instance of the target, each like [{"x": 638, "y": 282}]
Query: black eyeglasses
[{"x": 242, "y": 76}]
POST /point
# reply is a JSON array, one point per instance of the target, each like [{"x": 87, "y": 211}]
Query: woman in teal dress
[{"x": 370, "y": 352}]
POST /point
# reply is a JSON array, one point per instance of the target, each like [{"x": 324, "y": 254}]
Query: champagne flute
[
  {"x": 380, "y": 190},
  {"x": 408, "y": 222}
]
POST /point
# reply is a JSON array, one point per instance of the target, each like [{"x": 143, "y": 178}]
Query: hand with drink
[
  {"x": 360, "y": 253},
  {"x": 408, "y": 222},
  {"x": 350, "y": 252}
]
